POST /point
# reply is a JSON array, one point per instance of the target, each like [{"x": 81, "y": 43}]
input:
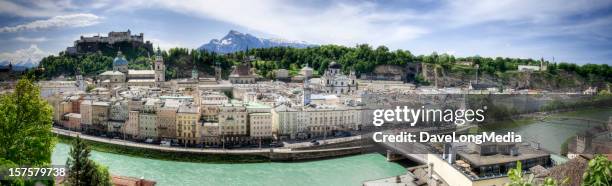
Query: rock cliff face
[{"x": 563, "y": 81}]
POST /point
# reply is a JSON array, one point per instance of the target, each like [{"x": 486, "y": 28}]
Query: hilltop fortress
[{"x": 114, "y": 41}]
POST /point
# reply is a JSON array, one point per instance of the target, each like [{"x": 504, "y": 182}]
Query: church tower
[
  {"x": 160, "y": 68},
  {"x": 194, "y": 72},
  {"x": 217, "y": 71},
  {"x": 306, "y": 88},
  {"x": 79, "y": 80}
]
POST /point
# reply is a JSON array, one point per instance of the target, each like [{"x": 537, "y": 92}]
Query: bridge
[{"x": 416, "y": 152}]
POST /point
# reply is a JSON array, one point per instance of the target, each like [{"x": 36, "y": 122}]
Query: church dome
[
  {"x": 333, "y": 64},
  {"x": 119, "y": 60}
]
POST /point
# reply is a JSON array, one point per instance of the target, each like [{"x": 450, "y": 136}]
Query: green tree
[
  {"x": 599, "y": 172},
  {"x": 517, "y": 178},
  {"x": 102, "y": 176},
  {"x": 89, "y": 88},
  {"x": 25, "y": 125},
  {"x": 82, "y": 170}
]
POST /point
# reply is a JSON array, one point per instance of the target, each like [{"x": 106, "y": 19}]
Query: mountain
[
  {"x": 235, "y": 41},
  {"x": 23, "y": 59}
]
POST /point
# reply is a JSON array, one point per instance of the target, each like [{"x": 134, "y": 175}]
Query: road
[{"x": 164, "y": 148}]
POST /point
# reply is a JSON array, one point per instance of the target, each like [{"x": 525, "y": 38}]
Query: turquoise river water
[{"x": 352, "y": 170}]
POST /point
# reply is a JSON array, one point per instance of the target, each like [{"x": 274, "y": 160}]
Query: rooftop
[
  {"x": 188, "y": 109},
  {"x": 175, "y": 97},
  {"x": 256, "y": 105},
  {"x": 141, "y": 80},
  {"x": 108, "y": 73},
  {"x": 138, "y": 72},
  {"x": 73, "y": 115},
  {"x": 525, "y": 152},
  {"x": 100, "y": 103},
  {"x": 323, "y": 96}
]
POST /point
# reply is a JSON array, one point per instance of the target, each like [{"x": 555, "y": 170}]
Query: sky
[{"x": 570, "y": 31}]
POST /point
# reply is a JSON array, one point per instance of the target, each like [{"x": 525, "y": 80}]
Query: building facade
[
  {"x": 166, "y": 122},
  {"x": 188, "y": 124},
  {"x": 233, "y": 123},
  {"x": 334, "y": 82},
  {"x": 260, "y": 125},
  {"x": 132, "y": 124}
]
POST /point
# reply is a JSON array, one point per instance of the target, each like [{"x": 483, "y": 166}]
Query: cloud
[
  {"x": 27, "y": 57},
  {"x": 464, "y": 12},
  {"x": 69, "y": 21},
  {"x": 31, "y": 39},
  {"x": 336, "y": 22},
  {"x": 36, "y": 8},
  {"x": 165, "y": 44}
]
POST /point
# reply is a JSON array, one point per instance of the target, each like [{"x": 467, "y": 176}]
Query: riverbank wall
[{"x": 217, "y": 155}]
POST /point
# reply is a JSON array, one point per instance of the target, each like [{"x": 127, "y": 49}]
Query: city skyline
[{"x": 577, "y": 34}]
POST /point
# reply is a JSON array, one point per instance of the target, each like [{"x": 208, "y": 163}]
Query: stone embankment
[{"x": 328, "y": 150}]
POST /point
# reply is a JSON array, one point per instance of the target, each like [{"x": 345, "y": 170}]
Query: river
[
  {"x": 552, "y": 133},
  {"x": 351, "y": 170}
]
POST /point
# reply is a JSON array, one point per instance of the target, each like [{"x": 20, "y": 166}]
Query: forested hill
[{"x": 362, "y": 59}]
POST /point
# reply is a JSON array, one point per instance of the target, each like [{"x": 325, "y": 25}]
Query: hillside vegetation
[{"x": 451, "y": 70}]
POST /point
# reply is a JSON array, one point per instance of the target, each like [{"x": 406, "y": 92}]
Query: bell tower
[
  {"x": 160, "y": 68},
  {"x": 79, "y": 80}
]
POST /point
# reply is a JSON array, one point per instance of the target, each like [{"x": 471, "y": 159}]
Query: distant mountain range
[
  {"x": 235, "y": 41},
  {"x": 22, "y": 59}
]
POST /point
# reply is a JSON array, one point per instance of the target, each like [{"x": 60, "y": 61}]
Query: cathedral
[
  {"x": 122, "y": 76},
  {"x": 334, "y": 82},
  {"x": 243, "y": 73}
]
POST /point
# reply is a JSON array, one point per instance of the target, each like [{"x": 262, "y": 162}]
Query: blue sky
[{"x": 572, "y": 31}]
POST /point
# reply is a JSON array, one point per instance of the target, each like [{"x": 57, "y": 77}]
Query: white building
[
  {"x": 260, "y": 125},
  {"x": 233, "y": 122},
  {"x": 147, "y": 120},
  {"x": 282, "y": 74},
  {"x": 210, "y": 103},
  {"x": 526, "y": 68},
  {"x": 48, "y": 88},
  {"x": 306, "y": 71},
  {"x": 529, "y": 68},
  {"x": 322, "y": 120},
  {"x": 288, "y": 122},
  {"x": 334, "y": 82},
  {"x": 147, "y": 127},
  {"x": 119, "y": 111},
  {"x": 121, "y": 75}
]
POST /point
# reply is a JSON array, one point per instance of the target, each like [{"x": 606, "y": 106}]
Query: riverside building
[{"x": 188, "y": 124}]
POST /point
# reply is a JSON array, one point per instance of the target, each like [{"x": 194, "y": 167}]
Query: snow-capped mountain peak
[
  {"x": 236, "y": 41},
  {"x": 24, "y": 58}
]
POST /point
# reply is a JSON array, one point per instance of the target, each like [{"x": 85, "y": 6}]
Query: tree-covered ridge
[{"x": 361, "y": 58}]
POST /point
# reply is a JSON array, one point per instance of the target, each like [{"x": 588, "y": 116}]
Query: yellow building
[{"x": 188, "y": 124}]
